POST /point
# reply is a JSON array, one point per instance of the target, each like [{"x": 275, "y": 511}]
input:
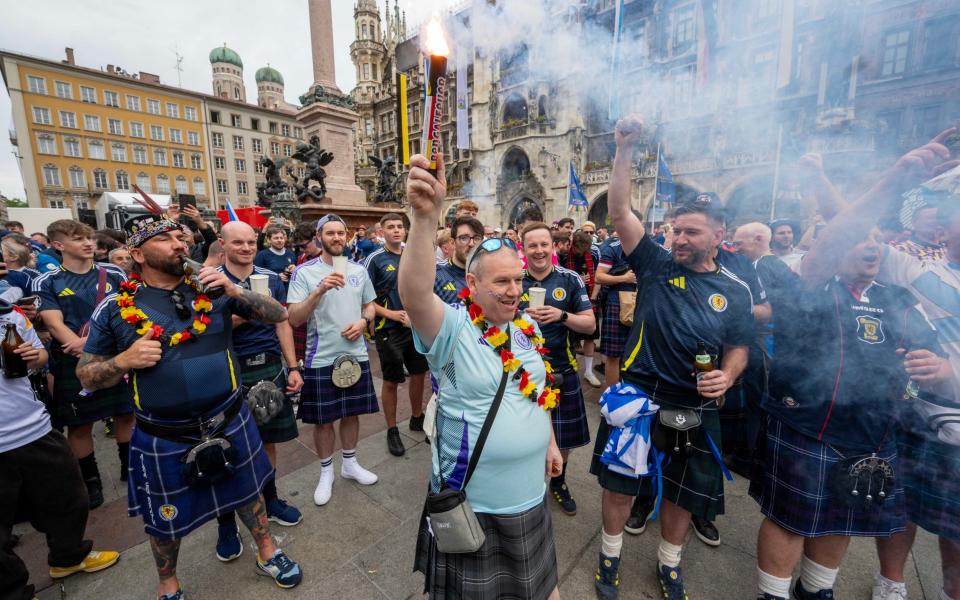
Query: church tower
[
  {"x": 227, "y": 74},
  {"x": 369, "y": 56}
]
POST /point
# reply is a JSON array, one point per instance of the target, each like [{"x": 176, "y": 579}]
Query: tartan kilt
[
  {"x": 613, "y": 333},
  {"x": 791, "y": 486},
  {"x": 73, "y": 409},
  {"x": 929, "y": 468},
  {"x": 518, "y": 560},
  {"x": 694, "y": 484},
  {"x": 283, "y": 426},
  {"x": 570, "y": 416},
  {"x": 323, "y": 402},
  {"x": 157, "y": 490}
]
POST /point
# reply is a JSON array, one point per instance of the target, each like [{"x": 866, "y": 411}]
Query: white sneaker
[
  {"x": 324, "y": 490},
  {"x": 351, "y": 469},
  {"x": 591, "y": 378},
  {"x": 884, "y": 589}
]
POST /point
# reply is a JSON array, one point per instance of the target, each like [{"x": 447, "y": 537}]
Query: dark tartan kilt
[
  {"x": 157, "y": 490},
  {"x": 570, "y": 416},
  {"x": 518, "y": 560},
  {"x": 791, "y": 486},
  {"x": 73, "y": 409},
  {"x": 931, "y": 478},
  {"x": 323, "y": 402},
  {"x": 613, "y": 333},
  {"x": 694, "y": 484},
  {"x": 580, "y": 337},
  {"x": 283, "y": 426}
]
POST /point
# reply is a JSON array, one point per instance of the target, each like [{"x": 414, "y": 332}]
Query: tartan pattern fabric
[
  {"x": 75, "y": 409},
  {"x": 613, "y": 333},
  {"x": 157, "y": 489},
  {"x": 930, "y": 480},
  {"x": 570, "y": 416},
  {"x": 791, "y": 487},
  {"x": 283, "y": 426},
  {"x": 323, "y": 402},
  {"x": 518, "y": 560}
]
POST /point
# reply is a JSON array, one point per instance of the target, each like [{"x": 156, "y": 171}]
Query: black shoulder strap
[{"x": 487, "y": 423}]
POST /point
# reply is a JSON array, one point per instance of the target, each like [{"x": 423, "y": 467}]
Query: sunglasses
[
  {"x": 490, "y": 245},
  {"x": 178, "y": 303}
]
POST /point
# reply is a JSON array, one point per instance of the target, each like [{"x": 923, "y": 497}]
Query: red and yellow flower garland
[
  {"x": 497, "y": 338},
  {"x": 139, "y": 319}
]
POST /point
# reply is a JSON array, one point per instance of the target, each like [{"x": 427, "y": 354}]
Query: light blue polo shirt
[{"x": 510, "y": 476}]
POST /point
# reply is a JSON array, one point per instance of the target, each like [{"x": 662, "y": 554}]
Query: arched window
[
  {"x": 236, "y": 92},
  {"x": 143, "y": 182},
  {"x": 363, "y": 31},
  {"x": 514, "y": 111},
  {"x": 514, "y": 65},
  {"x": 123, "y": 181},
  {"x": 181, "y": 184},
  {"x": 51, "y": 175},
  {"x": 163, "y": 184},
  {"x": 100, "y": 179}
]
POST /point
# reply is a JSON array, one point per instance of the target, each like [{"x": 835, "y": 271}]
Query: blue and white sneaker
[
  {"x": 801, "y": 594},
  {"x": 282, "y": 513},
  {"x": 284, "y": 571},
  {"x": 671, "y": 583},
  {"x": 176, "y": 596},
  {"x": 229, "y": 545}
]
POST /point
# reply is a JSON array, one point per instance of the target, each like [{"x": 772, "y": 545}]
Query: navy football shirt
[
  {"x": 566, "y": 291},
  {"x": 254, "y": 337},
  {"x": 382, "y": 267},
  {"x": 450, "y": 280},
  {"x": 75, "y": 294}
]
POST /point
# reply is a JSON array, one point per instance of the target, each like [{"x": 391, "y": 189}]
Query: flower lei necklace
[
  {"x": 136, "y": 317},
  {"x": 546, "y": 399}
]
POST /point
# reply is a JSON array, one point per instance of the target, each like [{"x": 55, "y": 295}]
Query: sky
[{"x": 126, "y": 34}]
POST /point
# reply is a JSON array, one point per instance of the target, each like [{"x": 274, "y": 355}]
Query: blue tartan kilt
[
  {"x": 792, "y": 489},
  {"x": 570, "y": 416},
  {"x": 157, "y": 489},
  {"x": 930, "y": 477},
  {"x": 613, "y": 333},
  {"x": 323, "y": 402}
]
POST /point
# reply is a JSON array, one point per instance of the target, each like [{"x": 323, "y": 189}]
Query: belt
[
  {"x": 256, "y": 360},
  {"x": 190, "y": 433}
]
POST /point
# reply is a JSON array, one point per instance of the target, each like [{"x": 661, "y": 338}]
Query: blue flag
[
  {"x": 666, "y": 190},
  {"x": 231, "y": 214},
  {"x": 576, "y": 197}
]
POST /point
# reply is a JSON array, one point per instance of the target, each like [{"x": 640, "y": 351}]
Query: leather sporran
[
  {"x": 861, "y": 481},
  {"x": 675, "y": 432}
]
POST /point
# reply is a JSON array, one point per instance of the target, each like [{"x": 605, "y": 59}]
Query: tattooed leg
[
  {"x": 165, "y": 554},
  {"x": 254, "y": 517}
]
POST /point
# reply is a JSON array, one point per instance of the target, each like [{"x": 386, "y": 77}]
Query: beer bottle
[
  {"x": 13, "y": 364},
  {"x": 703, "y": 363}
]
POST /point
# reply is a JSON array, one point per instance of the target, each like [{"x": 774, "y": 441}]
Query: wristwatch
[
  {"x": 564, "y": 316},
  {"x": 296, "y": 367}
]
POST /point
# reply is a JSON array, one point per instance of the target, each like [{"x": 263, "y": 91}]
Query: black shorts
[{"x": 395, "y": 347}]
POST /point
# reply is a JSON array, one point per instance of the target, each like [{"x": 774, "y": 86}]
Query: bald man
[{"x": 265, "y": 353}]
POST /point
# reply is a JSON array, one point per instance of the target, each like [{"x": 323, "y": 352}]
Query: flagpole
[
  {"x": 656, "y": 188},
  {"x": 776, "y": 174}
]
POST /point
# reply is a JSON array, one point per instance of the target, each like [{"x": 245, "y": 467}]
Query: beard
[
  {"x": 329, "y": 250},
  {"x": 165, "y": 264},
  {"x": 693, "y": 257}
]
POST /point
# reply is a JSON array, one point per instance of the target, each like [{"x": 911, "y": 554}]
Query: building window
[
  {"x": 163, "y": 184},
  {"x": 237, "y": 142},
  {"x": 111, "y": 98},
  {"x": 178, "y": 160},
  {"x": 366, "y": 70},
  {"x": 242, "y": 188},
  {"x": 236, "y": 94},
  {"x": 219, "y": 162},
  {"x": 190, "y": 113},
  {"x": 222, "y": 186},
  {"x": 160, "y": 157},
  {"x": 286, "y": 130},
  {"x": 136, "y": 129},
  {"x": 241, "y": 165},
  {"x": 153, "y": 106},
  {"x": 56, "y": 203},
  {"x": 215, "y": 116},
  {"x": 51, "y": 175},
  {"x": 896, "y": 45},
  {"x": 274, "y": 148},
  {"x": 258, "y": 167},
  {"x": 176, "y": 136},
  {"x": 156, "y": 132},
  {"x": 684, "y": 28},
  {"x": 91, "y": 122},
  {"x": 195, "y": 161},
  {"x": 193, "y": 138},
  {"x": 64, "y": 90},
  {"x": 683, "y": 84},
  {"x": 118, "y": 153},
  {"x": 97, "y": 151},
  {"x": 68, "y": 119},
  {"x": 198, "y": 187},
  {"x": 81, "y": 204},
  {"x": 71, "y": 147},
  {"x": 363, "y": 31},
  {"x": 115, "y": 126},
  {"x": 140, "y": 155},
  {"x": 217, "y": 139},
  {"x": 255, "y": 124},
  {"x": 37, "y": 85},
  {"x": 273, "y": 127},
  {"x": 88, "y": 94},
  {"x": 77, "y": 179},
  {"x": 236, "y": 121},
  {"x": 133, "y": 103},
  {"x": 287, "y": 150},
  {"x": 173, "y": 110},
  {"x": 123, "y": 181},
  {"x": 143, "y": 182},
  {"x": 181, "y": 184},
  {"x": 257, "y": 146},
  {"x": 100, "y": 179},
  {"x": 41, "y": 115},
  {"x": 298, "y": 133},
  {"x": 940, "y": 43},
  {"x": 46, "y": 144}
]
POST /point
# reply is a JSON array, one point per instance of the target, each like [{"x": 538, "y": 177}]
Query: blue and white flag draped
[{"x": 630, "y": 414}]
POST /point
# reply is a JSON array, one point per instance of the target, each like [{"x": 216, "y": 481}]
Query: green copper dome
[
  {"x": 226, "y": 55},
  {"x": 268, "y": 73}
]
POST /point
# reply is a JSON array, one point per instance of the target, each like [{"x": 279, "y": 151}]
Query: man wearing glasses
[{"x": 452, "y": 276}]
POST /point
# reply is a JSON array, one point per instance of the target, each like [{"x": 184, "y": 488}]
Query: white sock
[
  {"x": 610, "y": 545},
  {"x": 778, "y": 587},
  {"x": 349, "y": 456},
  {"x": 326, "y": 464},
  {"x": 669, "y": 554},
  {"x": 587, "y": 363},
  {"x": 899, "y": 585},
  {"x": 816, "y": 577}
]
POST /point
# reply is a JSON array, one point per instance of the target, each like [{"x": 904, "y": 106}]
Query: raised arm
[
  {"x": 628, "y": 226},
  {"x": 418, "y": 268}
]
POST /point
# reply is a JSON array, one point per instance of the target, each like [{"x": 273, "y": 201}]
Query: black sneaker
[
  {"x": 706, "y": 531},
  {"x": 671, "y": 583},
  {"x": 416, "y": 423},
  {"x": 94, "y": 492},
  {"x": 766, "y": 596},
  {"x": 607, "y": 581},
  {"x": 394, "y": 445},
  {"x": 637, "y": 521},
  {"x": 562, "y": 495},
  {"x": 801, "y": 594}
]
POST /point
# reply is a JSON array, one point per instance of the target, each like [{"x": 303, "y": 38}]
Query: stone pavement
[{"x": 360, "y": 545}]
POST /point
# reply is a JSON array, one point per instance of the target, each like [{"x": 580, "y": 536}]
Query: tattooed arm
[
  {"x": 249, "y": 304},
  {"x": 96, "y": 372}
]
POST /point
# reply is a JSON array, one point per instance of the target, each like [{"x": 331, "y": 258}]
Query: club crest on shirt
[
  {"x": 870, "y": 329},
  {"x": 354, "y": 280},
  {"x": 718, "y": 302},
  {"x": 559, "y": 294},
  {"x": 521, "y": 341},
  {"x": 168, "y": 512}
]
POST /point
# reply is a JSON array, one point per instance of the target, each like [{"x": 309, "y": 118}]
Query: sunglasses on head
[{"x": 490, "y": 245}]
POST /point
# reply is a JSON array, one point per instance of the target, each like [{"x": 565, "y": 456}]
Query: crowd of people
[{"x": 818, "y": 363}]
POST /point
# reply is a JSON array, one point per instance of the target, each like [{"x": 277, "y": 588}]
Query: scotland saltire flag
[
  {"x": 576, "y": 197},
  {"x": 666, "y": 190}
]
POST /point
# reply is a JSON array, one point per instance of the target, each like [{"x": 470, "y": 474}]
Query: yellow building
[{"x": 81, "y": 132}]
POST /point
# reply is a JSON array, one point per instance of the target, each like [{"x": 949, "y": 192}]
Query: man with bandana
[{"x": 195, "y": 453}]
